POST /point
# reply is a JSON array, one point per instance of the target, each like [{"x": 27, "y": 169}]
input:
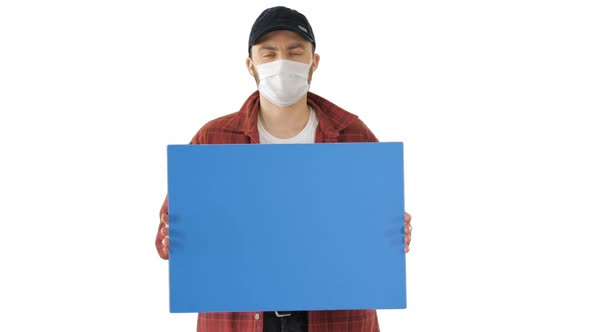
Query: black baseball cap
[{"x": 280, "y": 18}]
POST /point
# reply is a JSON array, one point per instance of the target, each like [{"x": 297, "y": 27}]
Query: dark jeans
[{"x": 297, "y": 322}]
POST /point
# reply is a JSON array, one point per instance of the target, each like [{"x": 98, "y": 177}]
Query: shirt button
[{"x": 257, "y": 316}]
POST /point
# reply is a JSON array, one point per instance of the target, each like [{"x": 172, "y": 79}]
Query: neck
[{"x": 284, "y": 122}]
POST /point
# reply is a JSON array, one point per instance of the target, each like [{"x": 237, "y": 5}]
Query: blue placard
[{"x": 264, "y": 227}]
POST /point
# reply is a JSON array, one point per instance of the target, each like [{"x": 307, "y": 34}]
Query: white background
[{"x": 490, "y": 97}]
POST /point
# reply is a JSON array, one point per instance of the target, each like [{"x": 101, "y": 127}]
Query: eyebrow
[
  {"x": 272, "y": 48},
  {"x": 266, "y": 48},
  {"x": 296, "y": 45}
]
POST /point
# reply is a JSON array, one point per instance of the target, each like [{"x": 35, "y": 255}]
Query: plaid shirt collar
[{"x": 332, "y": 119}]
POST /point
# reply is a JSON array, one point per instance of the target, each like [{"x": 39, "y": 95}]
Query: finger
[
  {"x": 406, "y": 249},
  {"x": 408, "y": 229},
  {"x": 407, "y": 218},
  {"x": 407, "y": 239},
  {"x": 165, "y": 253},
  {"x": 164, "y": 218},
  {"x": 165, "y": 242},
  {"x": 164, "y": 230}
]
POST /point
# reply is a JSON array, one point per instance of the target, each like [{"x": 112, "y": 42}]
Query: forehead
[{"x": 280, "y": 37}]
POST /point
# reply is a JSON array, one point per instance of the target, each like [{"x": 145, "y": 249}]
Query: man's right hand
[{"x": 162, "y": 239}]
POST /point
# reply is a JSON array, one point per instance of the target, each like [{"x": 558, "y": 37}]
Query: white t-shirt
[{"x": 307, "y": 135}]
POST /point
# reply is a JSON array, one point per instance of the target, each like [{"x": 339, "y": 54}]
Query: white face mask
[{"x": 283, "y": 82}]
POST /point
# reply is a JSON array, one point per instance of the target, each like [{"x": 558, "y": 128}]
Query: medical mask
[{"x": 283, "y": 82}]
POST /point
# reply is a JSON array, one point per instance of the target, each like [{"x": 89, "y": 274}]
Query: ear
[
  {"x": 250, "y": 65},
  {"x": 315, "y": 61}
]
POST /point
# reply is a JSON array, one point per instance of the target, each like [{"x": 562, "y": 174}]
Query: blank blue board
[{"x": 264, "y": 227}]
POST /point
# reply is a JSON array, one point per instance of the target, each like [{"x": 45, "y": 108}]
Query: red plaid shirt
[{"x": 335, "y": 125}]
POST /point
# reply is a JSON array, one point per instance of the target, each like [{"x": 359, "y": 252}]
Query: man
[{"x": 282, "y": 60}]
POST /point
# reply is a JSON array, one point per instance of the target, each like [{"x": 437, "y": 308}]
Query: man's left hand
[{"x": 407, "y": 231}]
